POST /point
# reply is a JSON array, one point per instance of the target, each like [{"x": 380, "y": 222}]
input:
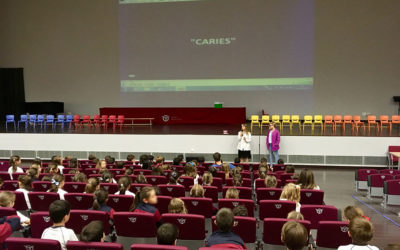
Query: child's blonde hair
[
  {"x": 177, "y": 206},
  {"x": 197, "y": 191},
  {"x": 291, "y": 192},
  {"x": 226, "y": 169},
  {"x": 207, "y": 179},
  {"x": 232, "y": 193},
  {"x": 6, "y": 198},
  {"x": 270, "y": 181},
  {"x": 295, "y": 215},
  {"x": 361, "y": 231},
  {"x": 350, "y": 212}
]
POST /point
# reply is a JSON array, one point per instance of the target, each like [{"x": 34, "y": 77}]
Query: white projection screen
[{"x": 216, "y": 45}]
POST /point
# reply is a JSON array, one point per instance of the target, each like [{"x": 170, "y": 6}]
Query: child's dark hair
[
  {"x": 119, "y": 164},
  {"x": 141, "y": 179},
  {"x": 56, "y": 159},
  {"x": 280, "y": 161},
  {"x": 37, "y": 161},
  {"x": 73, "y": 163},
  {"x": 58, "y": 210},
  {"x": 237, "y": 180},
  {"x": 32, "y": 173},
  {"x": 124, "y": 184},
  {"x": 240, "y": 210},
  {"x": 128, "y": 171},
  {"x": 106, "y": 177},
  {"x": 263, "y": 160},
  {"x": 93, "y": 232},
  {"x": 217, "y": 156},
  {"x": 55, "y": 182},
  {"x": 26, "y": 182},
  {"x": 173, "y": 178},
  {"x": 13, "y": 162},
  {"x": 294, "y": 235},
  {"x": 92, "y": 157},
  {"x": 79, "y": 177},
  {"x": 144, "y": 193},
  {"x": 289, "y": 169},
  {"x": 100, "y": 198},
  {"x": 167, "y": 234},
  {"x": 224, "y": 219},
  {"x": 176, "y": 161},
  {"x": 130, "y": 157},
  {"x": 201, "y": 159},
  {"x": 236, "y": 160},
  {"x": 213, "y": 171}
]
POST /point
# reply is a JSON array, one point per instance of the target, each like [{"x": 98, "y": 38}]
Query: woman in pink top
[{"x": 273, "y": 140}]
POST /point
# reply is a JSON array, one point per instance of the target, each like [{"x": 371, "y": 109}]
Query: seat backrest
[
  {"x": 120, "y": 202},
  {"x": 112, "y": 188},
  {"x": 163, "y": 202},
  {"x": 371, "y": 118},
  {"x": 337, "y": 118},
  {"x": 60, "y": 118},
  {"x": 69, "y": 118},
  {"x": 20, "y": 202},
  {"x": 317, "y": 213},
  {"x": 10, "y": 185},
  {"x": 79, "y": 245},
  {"x": 245, "y": 227},
  {"x": 254, "y": 118},
  {"x": 377, "y": 180},
  {"x": 40, "y": 201},
  {"x": 211, "y": 192},
  {"x": 286, "y": 118},
  {"x": 392, "y": 187},
  {"x": 49, "y": 118},
  {"x": 276, "y": 118},
  {"x": 284, "y": 177},
  {"x": 134, "y": 224},
  {"x": 244, "y": 192},
  {"x": 112, "y": 118},
  {"x": 328, "y": 119},
  {"x": 246, "y": 182},
  {"x": 347, "y": 118},
  {"x": 23, "y": 118},
  {"x": 77, "y": 118},
  {"x": 104, "y": 118},
  {"x": 272, "y": 229},
  {"x": 317, "y": 118},
  {"x": 356, "y": 118},
  {"x": 200, "y": 206},
  {"x": 268, "y": 194},
  {"x": 156, "y": 180},
  {"x": 136, "y": 187},
  {"x": 395, "y": 118},
  {"x": 153, "y": 246},
  {"x": 295, "y": 118},
  {"x": 390, "y": 171},
  {"x": 5, "y": 176},
  {"x": 278, "y": 167},
  {"x": 362, "y": 174},
  {"x": 39, "y": 222},
  {"x": 7, "y": 211},
  {"x": 332, "y": 234},
  {"x": 142, "y": 171},
  {"x": 308, "y": 118},
  {"x": 265, "y": 118},
  {"x": 121, "y": 119},
  {"x": 384, "y": 118},
  {"x": 10, "y": 118},
  {"x": 217, "y": 182},
  {"x": 18, "y": 243},
  {"x": 191, "y": 226},
  {"x": 275, "y": 208},
  {"x": 312, "y": 197},
  {"x": 80, "y": 218},
  {"x": 186, "y": 181},
  {"x": 32, "y": 118},
  {"x": 172, "y": 190},
  {"x": 74, "y": 187},
  {"x": 232, "y": 203},
  {"x": 86, "y": 118},
  {"x": 79, "y": 200}
]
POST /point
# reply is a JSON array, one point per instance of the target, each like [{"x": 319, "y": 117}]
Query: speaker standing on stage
[
  {"x": 273, "y": 140},
  {"x": 244, "y": 138}
]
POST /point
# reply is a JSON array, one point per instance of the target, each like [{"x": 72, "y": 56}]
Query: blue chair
[
  {"x": 50, "y": 120},
  {"x": 32, "y": 120},
  {"x": 60, "y": 119},
  {"x": 10, "y": 119},
  {"x": 69, "y": 120},
  {"x": 40, "y": 120},
  {"x": 23, "y": 119}
]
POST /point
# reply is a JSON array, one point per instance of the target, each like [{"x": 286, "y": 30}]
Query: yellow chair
[
  {"x": 254, "y": 120},
  {"x": 318, "y": 120},
  {"x": 264, "y": 121},
  {"x": 277, "y": 120},
  {"x": 285, "y": 121},
  {"x": 295, "y": 120},
  {"x": 308, "y": 120}
]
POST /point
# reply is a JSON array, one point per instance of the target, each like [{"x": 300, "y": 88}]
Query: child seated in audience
[
  {"x": 33, "y": 174},
  {"x": 218, "y": 161},
  {"x": 92, "y": 185},
  {"x": 15, "y": 161},
  {"x": 8, "y": 225},
  {"x": 177, "y": 206},
  {"x": 173, "y": 178},
  {"x": 157, "y": 171},
  {"x": 100, "y": 202},
  {"x": 128, "y": 171},
  {"x": 226, "y": 169},
  {"x": 240, "y": 210},
  {"x": 224, "y": 237},
  {"x": 124, "y": 184},
  {"x": 190, "y": 170},
  {"x": 25, "y": 186},
  {"x": 351, "y": 212},
  {"x": 93, "y": 232},
  {"x": 145, "y": 201},
  {"x": 237, "y": 180},
  {"x": 7, "y": 199},
  {"x": 294, "y": 235},
  {"x": 73, "y": 163},
  {"x": 141, "y": 179},
  {"x": 281, "y": 162},
  {"x": 59, "y": 212},
  {"x": 294, "y": 215},
  {"x": 79, "y": 177},
  {"x": 306, "y": 180},
  {"x": 167, "y": 234},
  {"x": 207, "y": 179},
  {"x": 197, "y": 191},
  {"x": 262, "y": 170},
  {"x": 291, "y": 192},
  {"x": 270, "y": 181},
  {"x": 232, "y": 193},
  {"x": 107, "y": 177},
  {"x": 51, "y": 169},
  {"x": 57, "y": 160},
  {"x": 57, "y": 183},
  {"x": 102, "y": 165},
  {"x": 131, "y": 158},
  {"x": 47, "y": 178},
  {"x": 361, "y": 232}
]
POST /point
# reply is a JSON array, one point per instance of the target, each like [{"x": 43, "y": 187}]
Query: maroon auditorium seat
[
  {"x": 232, "y": 203},
  {"x": 275, "y": 208},
  {"x": 317, "y": 213},
  {"x": 79, "y": 200},
  {"x": 332, "y": 234},
  {"x": 200, "y": 206},
  {"x": 17, "y": 243},
  {"x": 272, "y": 229},
  {"x": 79, "y": 245},
  {"x": 172, "y": 190}
]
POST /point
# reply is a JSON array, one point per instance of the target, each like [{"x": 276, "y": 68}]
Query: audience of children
[
  {"x": 124, "y": 184},
  {"x": 306, "y": 180},
  {"x": 145, "y": 201},
  {"x": 25, "y": 186},
  {"x": 57, "y": 183},
  {"x": 291, "y": 192}
]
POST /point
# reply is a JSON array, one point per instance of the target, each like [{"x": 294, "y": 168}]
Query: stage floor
[{"x": 216, "y": 129}]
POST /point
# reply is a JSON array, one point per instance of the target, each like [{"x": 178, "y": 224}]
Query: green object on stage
[{"x": 218, "y": 105}]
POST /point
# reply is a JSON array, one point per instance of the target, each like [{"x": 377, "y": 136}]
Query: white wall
[{"x": 69, "y": 50}]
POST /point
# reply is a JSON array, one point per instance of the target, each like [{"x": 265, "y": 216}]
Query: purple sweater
[{"x": 276, "y": 139}]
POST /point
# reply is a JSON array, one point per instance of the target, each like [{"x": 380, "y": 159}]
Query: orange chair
[
  {"x": 371, "y": 120},
  {"x": 328, "y": 120},
  {"x": 384, "y": 120},
  {"x": 337, "y": 120},
  {"x": 347, "y": 120},
  {"x": 396, "y": 120},
  {"x": 357, "y": 123}
]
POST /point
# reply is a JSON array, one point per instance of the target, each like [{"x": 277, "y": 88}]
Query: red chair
[
  {"x": 347, "y": 120},
  {"x": 79, "y": 200},
  {"x": 397, "y": 177},
  {"x": 275, "y": 208},
  {"x": 311, "y": 197},
  {"x": 393, "y": 160},
  {"x": 120, "y": 121},
  {"x": 390, "y": 171},
  {"x": 112, "y": 188},
  {"x": 337, "y": 121},
  {"x": 162, "y": 204},
  {"x": 104, "y": 120},
  {"x": 39, "y": 222},
  {"x": 89, "y": 171},
  {"x": 86, "y": 120},
  {"x": 20, "y": 202},
  {"x": 156, "y": 180},
  {"x": 272, "y": 229},
  {"x": 328, "y": 120},
  {"x": 118, "y": 171},
  {"x": 361, "y": 176},
  {"x": 40, "y": 201},
  {"x": 79, "y": 245},
  {"x": 120, "y": 202},
  {"x": 211, "y": 192},
  {"x": 217, "y": 182},
  {"x": 246, "y": 182},
  {"x": 391, "y": 192},
  {"x": 142, "y": 171},
  {"x": 317, "y": 213},
  {"x": 244, "y": 192},
  {"x": 135, "y": 228},
  {"x": 10, "y": 185},
  {"x": 74, "y": 187},
  {"x": 375, "y": 184},
  {"x": 172, "y": 190},
  {"x": 245, "y": 227},
  {"x": 15, "y": 176},
  {"x": 232, "y": 203},
  {"x": 384, "y": 120},
  {"x": 372, "y": 123},
  {"x": 5, "y": 176},
  {"x": 284, "y": 177},
  {"x": 18, "y": 243},
  {"x": 154, "y": 246},
  {"x": 96, "y": 121},
  {"x": 80, "y": 218},
  {"x": 7, "y": 211},
  {"x": 76, "y": 121},
  {"x": 200, "y": 206},
  {"x": 268, "y": 194},
  {"x": 111, "y": 119},
  {"x": 191, "y": 228},
  {"x": 332, "y": 234},
  {"x": 186, "y": 181},
  {"x": 136, "y": 187}
]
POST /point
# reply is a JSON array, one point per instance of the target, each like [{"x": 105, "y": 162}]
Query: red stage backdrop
[{"x": 182, "y": 115}]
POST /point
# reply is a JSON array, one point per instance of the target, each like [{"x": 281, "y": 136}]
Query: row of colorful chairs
[
  {"x": 334, "y": 121},
  {"x": 76, "y": 120}
]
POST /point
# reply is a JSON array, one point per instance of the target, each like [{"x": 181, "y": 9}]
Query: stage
[{"x": 194, "y": 140}]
